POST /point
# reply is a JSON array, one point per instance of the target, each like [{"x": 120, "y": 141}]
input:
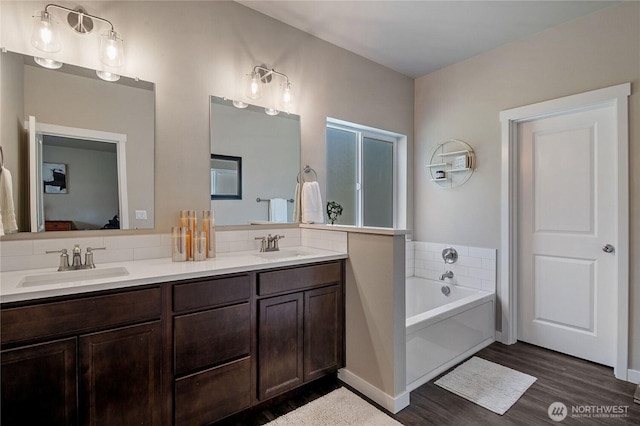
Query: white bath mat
[
  {"x": 340, "y": 407},
  {"x": 487, "y": 384}
]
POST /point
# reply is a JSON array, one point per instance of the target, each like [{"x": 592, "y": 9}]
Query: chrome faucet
[
  {"x": 272, "y": 242},
  {"x": 448, "y": 274},
  {"x": 76, "y": 262},
  {"x": 269, "y": 243}
]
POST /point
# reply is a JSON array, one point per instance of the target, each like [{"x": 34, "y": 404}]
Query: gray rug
[
  {"x": 340, "y": 407},
  {"x": 487, "y": 384}
]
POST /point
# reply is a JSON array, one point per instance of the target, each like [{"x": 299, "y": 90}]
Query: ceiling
[{"x": 418, "y": 37}]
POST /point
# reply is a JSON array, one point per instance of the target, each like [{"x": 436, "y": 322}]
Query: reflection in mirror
[
  {"x": 226, "y": 177},
  {"x": 75, "y": 98},
  {"x": 270, "y": 150}
]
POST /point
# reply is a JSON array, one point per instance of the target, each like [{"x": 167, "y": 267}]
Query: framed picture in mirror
[
  {"x": 226, "y": 177},
  {"x": 55, "y": 178}
]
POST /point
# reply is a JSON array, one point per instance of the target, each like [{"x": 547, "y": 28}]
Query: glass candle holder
[
  {"x": 200, "y": 246},
  {"x": 189, "y": 219},
  {"x": 179, "y": 243},
  {"x": 209, "y": 228}
]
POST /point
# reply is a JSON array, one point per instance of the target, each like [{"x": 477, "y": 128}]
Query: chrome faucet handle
[
  {"x": 88, "y": 256},
  {"x": 276, "y": 238},
  {"x": 64, "y": 259},
  {"x": 263, "y": 241}
]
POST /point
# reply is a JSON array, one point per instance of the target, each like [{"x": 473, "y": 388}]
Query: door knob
[{"x": 608, "y": 248}]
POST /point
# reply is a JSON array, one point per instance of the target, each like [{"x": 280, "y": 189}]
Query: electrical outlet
[{"x": 141, "y": 214}]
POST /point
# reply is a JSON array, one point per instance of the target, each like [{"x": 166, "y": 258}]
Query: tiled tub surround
[
  {"x": 444, "y": 330},
  {"x": 475, "y": 268},
  {"x": 30, "y": 254}
]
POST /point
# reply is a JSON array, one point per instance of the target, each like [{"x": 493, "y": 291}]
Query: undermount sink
[
  {"x": 73, "y": 276},
  {"x": 281, "y": 254}
]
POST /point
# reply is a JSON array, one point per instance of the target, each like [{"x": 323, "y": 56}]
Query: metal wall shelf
[{"x": 457, "y": 171}]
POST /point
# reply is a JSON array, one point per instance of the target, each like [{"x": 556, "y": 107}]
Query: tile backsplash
[
  {"x": 476, "y": 267},
  {"x": 30, "y": 254}
]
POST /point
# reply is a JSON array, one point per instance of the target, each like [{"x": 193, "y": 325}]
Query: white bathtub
[{"x": 444, "y": 330}]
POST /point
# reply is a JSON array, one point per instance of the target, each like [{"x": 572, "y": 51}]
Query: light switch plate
[{"x": 141, "y": 214}]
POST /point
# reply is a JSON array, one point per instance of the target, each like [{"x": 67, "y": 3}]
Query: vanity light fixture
[
  {"x": 45, "y": 37},
  {"x": 261, "y": 75}
]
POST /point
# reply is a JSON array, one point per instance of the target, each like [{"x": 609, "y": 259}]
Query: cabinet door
[
  {"x": 39, "y": 384},
  {"x": 280, "y": 344},
  {"x": 322, "y": 331},
  {"x": 120, "y": 376}
]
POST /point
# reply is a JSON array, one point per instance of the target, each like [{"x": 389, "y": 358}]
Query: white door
[{"x": 567, "y": 286}]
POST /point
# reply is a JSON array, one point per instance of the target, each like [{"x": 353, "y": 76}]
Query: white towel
[
  {"x": 297, "y": 210},
  {"x": 312, "y": 208},
  {"x": 277, "y": 210},
  {"x": 7, "y": 210}
]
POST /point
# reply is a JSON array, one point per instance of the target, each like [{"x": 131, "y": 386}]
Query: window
[{"x": 362, "y": 174}]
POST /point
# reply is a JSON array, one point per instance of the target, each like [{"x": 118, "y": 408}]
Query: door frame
[
  {"x": 35, "y": 184},
  {"x": 616, "y": 97}
]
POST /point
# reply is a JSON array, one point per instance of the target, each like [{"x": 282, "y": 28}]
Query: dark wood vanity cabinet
[
  {"x": 190, "y": 352},
  {"x": 300, "y": 332},
  {"x": 120, "y": 376},
  {"x": 212, "y": 335},
  {"x": 39, "y": 384},
  {"x": 84, "y": 361}
]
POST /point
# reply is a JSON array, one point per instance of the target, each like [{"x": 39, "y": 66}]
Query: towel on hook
[
  {"x": 7, "y": 211},
  {"x": 312, "y": 208},
  {"x": 277, "y": 210},
  {"x": 297, "y": 199}
]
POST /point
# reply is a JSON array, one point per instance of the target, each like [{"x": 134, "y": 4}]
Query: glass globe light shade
[
  {"x": 286, "y": 100},
  {"x": 45, "y": 34},
  {"x": 254, "y": 88},
  {"x": 111, "y": 49}
]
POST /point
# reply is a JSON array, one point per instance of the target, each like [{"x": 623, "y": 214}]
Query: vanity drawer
[
  {"x": 208, "y": 396},
  {"x": 211, "y": 292},
  {"x": 75, "y": 316},
  {"x": 299, "y": 278},
  {"x": 210, "y": 337}
]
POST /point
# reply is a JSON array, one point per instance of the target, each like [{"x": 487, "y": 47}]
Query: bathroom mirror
[
  {"x": 106, "y": 120},
  {"x": 270, "y": 150}
]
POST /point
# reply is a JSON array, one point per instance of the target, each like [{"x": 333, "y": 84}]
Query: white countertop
[{"x": 142, "y": 272}]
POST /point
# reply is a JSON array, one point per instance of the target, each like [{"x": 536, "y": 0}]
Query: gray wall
[
  {"x": 195, "y": 49},
  {"x": 463, "y": 101}
]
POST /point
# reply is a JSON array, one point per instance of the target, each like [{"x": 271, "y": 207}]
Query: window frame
[{"x": 361, "y": 133}]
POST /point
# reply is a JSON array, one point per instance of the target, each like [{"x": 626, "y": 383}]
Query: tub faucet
[{"x": 448, "y": 274}]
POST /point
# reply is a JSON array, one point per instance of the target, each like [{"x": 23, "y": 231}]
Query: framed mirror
[
  {"x": 226, "y": 177},
  {"x": 270, "y": 150},
  {"x": 97, "y": 117}
]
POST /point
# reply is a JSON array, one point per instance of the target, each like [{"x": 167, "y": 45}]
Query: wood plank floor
[{"x": 562, "y": 378}]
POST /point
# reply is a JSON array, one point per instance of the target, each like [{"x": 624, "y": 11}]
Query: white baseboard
[
  {"x": 498, "y": 336},
  {"x": 633, "y": 376},
  {"x": 389, "y": 403}
]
